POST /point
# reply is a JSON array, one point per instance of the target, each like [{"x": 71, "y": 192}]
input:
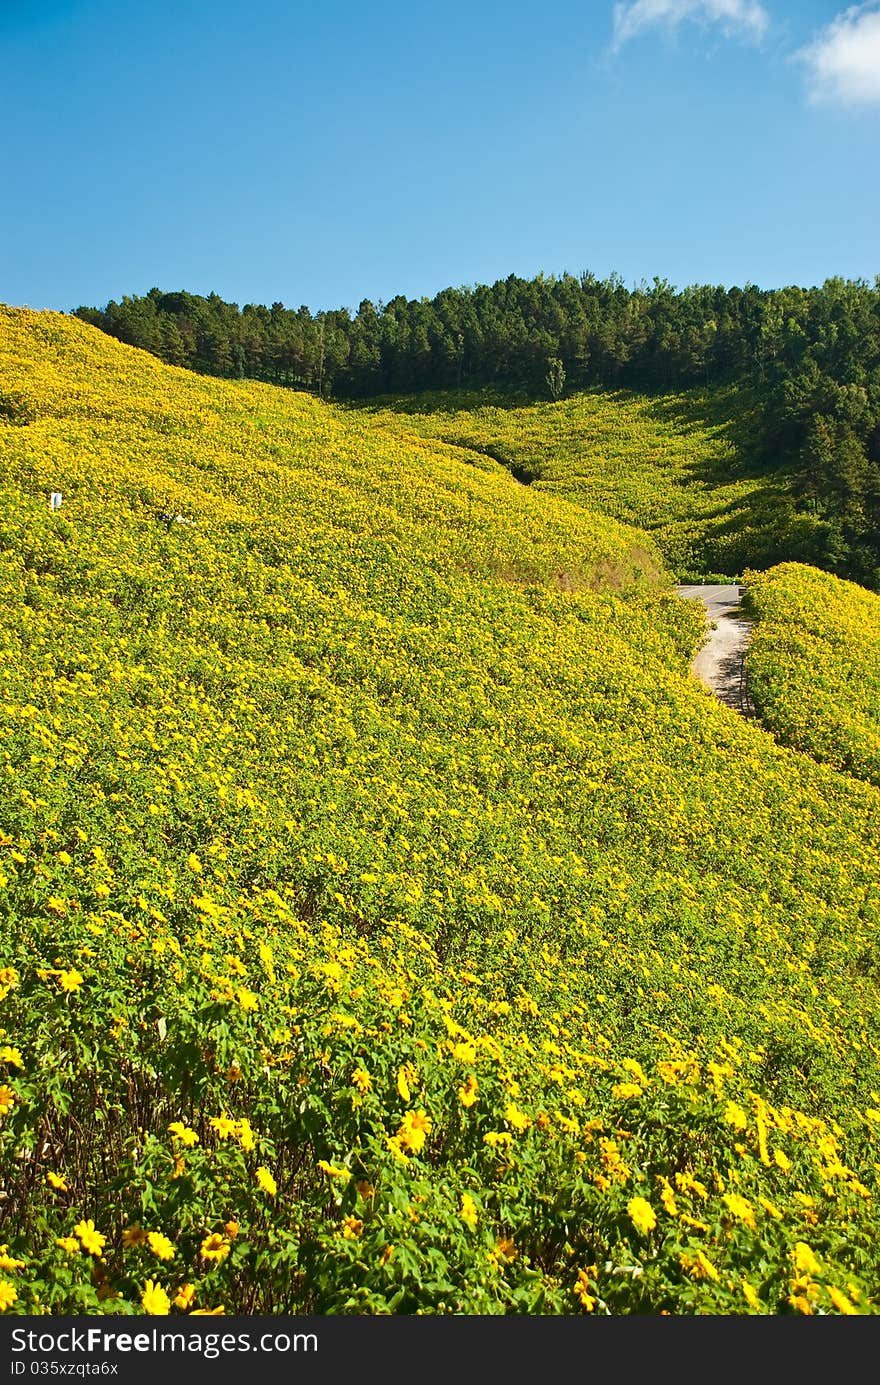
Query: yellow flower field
[{"x": 390, "y": 923}]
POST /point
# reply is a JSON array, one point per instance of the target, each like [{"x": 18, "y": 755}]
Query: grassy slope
[
  {"x": 814, "y": 665},
  {"x": 334, "y": 818},
  {"x": 673, "y": 465}
]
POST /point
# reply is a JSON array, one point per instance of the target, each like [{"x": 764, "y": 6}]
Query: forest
[{"x": 812, "y": 355}]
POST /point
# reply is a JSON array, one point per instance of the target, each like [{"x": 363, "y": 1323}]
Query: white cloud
[
  {"x": 744, "y": 18},
  {"x": 844, "y": 60}
]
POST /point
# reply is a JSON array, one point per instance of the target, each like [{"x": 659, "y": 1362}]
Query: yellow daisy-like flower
[
  {"x": 7, "y": 1100},
  {"x": 805, "y": 1261},
  {"x": 134, "y": 1236},
  {"x": 160, "y": 1245},
  {"x": 69, "y": 1244},
  {"x": 414, "y": 1130},
  {"x": 56, "y": 1181},
  {"x": 352, "y": 1228},
  {"x": 154, "y": 1299},
  {"x": 362, "y": 1080},
  {"x": 12, "y": 1056},
  {"x": 266, "y": 1181},
  {"x": 90, "y": 1238},
  {"x": 333, "y": 1170},
  {"x": 736, "y": 1116},
  {"x": 184, "y": 1297},
  {"x": 404, "y": 1077},
  {"x": 642, "y": 1215},
  {"x": 464, "y": 1052},
  {"x": 626, "y": 1091},
  {"x": 840, "y": 1301},
  {"x": 215, "y": 1247},
  {"x": 224, "y": 1125},
  {"x": 751, "y": 1295},
  {"x": 698, "y": 1266},
  {"x": 467, "y": 1094},
  {"x": 245, "y": 1135},
  {"x": 516, "y": 1118},
  {"x": 70, "y": 981},
  {"x": 741, "y": 1209},
  {"x": 581, "y": 1290},
  {"x": 468, "y": 1211},
  {"x": 8, "y": 1262},
  {"x": 208, "y": 1312},
  {"x": 8, "y": 1295},
  {"x": 183, "y": 1133}
]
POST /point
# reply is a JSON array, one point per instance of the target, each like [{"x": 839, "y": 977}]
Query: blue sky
[{"x": 325, "y": 153}]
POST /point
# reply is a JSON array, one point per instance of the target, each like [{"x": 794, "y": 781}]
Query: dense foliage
[
  {"x": 813, "y": 356},
  {"x": 390, "y": 921},
  {"x": 814, "y": 665}
]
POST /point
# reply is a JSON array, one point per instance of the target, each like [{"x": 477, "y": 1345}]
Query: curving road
[{"x": 720, "y": 664}]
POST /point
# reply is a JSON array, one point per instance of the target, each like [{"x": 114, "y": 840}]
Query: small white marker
[{"x": 54, "y": 500}]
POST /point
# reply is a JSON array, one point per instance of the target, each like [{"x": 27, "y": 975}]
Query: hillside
[
  {"x": 679, "y": 466},
  {"x": 390, "y": 921},
  {"x": 814, "y": 666}
]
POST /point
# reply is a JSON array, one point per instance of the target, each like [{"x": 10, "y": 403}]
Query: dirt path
[{"x": 720, "y": 663}]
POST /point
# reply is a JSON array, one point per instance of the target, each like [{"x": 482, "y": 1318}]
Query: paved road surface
[{"x": 719, "y": 663}]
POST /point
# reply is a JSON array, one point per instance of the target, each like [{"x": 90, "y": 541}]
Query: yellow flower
[
  {"x": 208, "y": 1312},
  {"x": 362, "y": 1080},
  {"x": 404, "y": 1077},
  {"x": 736, "y": 1116},
  {"x": 8, "y": 1262},
  {"x": 386, "y": 1256},
  {"x": 11, "y": 1056},
  {"x": 781, "y": 1160},
  {"x": 245, "y": 1135},
  {"x": 70, "y": 980},
  {"x": 516, "y": 1118},
  {"x": 194, "y": 863},
  {"x": 224, "y": 1125},
  {"x": 184, "y": 1296},
  {"x": 134, "y": 1236},
  {"x": 751, "y": 1295},
  {"x": 464, "y": 1052},
  {"x": 626, "y": 1091},
  {"x": 581, "y": 1290},
  {"x": 231, "y": 1228},
  {"x": 801, "y": 1303},
  {"x": 8, "y": 1295},
  {"x": 56, "y": 1181},
  {"x": 414, "y": 1130},
  {"x": 642, "y": 1215},
  {"x": 667, "y": 1197},
  {"x": 698, "y": 1266},
  {"x": 154, "y": 1299},
  {"x": 266, "y": 1181},
  {"x": 334, "y": 1170},
  {"x": 467, "y": 1094},
  {"x": 352, "y": 1227},
  {"x": 7, "y": 1100},
  {"x": 183, "y": 1133},
  {"x": 68, "y": 1243},
  {"x": 840, "y": 1301},
  {"x": 741, "y": 1208},
  {"x": 90, "y": 1238},
  {"x": 805, "y": 1261},
  {"x": 161, "y": 1246},
  {"x": 468, "y": 1212},
  {"x": 214, "y": 1247}
]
